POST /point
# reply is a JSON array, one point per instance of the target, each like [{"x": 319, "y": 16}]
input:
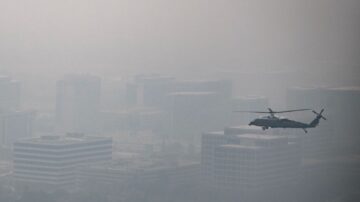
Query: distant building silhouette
[
  {"x": 340, "y": 132},
  {"x": 192, "y": 105},
  {"x": 219, "y": 86},
  {"x": 15, "y": 125},
  {"x": 9, "y": 93},
  {"x": 194, "y": 112},
  {"x": 78, "y": 103}
]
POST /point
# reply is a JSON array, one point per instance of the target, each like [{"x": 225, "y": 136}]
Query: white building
[
  {"x": 210, "y": 141},
  {"x": 249, "y": 165},
  {"x": 51, "y": 161},
  {"x": 258, "y": 161}
]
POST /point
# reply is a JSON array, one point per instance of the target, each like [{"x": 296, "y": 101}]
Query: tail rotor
[{"x": 319, "y": 114}]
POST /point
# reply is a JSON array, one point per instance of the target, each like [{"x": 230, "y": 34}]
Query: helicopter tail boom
[{"x": 316, "y": 121}]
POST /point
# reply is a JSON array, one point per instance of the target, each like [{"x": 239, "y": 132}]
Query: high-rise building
[
  {"x": 256, "y": 161},
  {"x": 316, "y": 98},
  {"x": 193, "y": 105},
  {"x": 78, "y": 103},
  {"x": 344, "y": 114},
  {"x": 194, "y": 112},
  {"x": 15, "y": 125},
  {"x": 261, "y": 82},
  {"x": 250, "y": 165},
  {"x": 340, "y": 131},
  {"x": 9, "y": 93},
  {"x": 222, "y": 86},
  {"x": 113, "y": 94},
  {"x": 51, "y": 161},
  {"x": 131, "y": 94},
  {"x": 212, "y": 140},
  {"x": 152, "y": 90}
]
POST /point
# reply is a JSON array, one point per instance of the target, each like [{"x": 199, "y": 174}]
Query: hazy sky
[{"x": 144, "y": 35}]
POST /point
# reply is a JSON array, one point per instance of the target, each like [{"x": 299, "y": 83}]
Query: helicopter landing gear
[
  {"x": 305, "y": 130},
  {"x": 264, "y": 127}
]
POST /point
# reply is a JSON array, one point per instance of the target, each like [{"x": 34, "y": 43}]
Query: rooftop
[
  {"x": 192, "y": 93},
  {"x": 325, "y": 88},
  {"x": 138, "y": 163},
  {"x": 347, "y": 88},
  {"x": 201, "y": 81},
  {"x": 261, "y": 136},
  {"x": 7, "y": 79},
  {"x": 73, "y": 138},
  {"x": 80, "y": 78},
  {"x": 152, "y": 77},
  {"x": 217, "y": 133},
  {"x": 243, "y": 129},
  {"x": 251, "y": 97},
  {"x": 239, "y": 146}
]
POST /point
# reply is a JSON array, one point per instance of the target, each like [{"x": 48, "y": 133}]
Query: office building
[
  {"x": 9, "y": 93},
  {"x": 194, "y": 112},
  {"x": 249, "y": 165},
  {"x": 15, "y": 125},
  {"x": 212, "y": 140},
  {"x": 222, "y": 87},
  {"x": 339, "y": 132},
  {"x": 152, "y": 90},
  {"x": 78, "y": 103},
  {"x": 344, "y": 114},
  {"x": 51, "y": 161},
  {"x": 257, "y": 161}
]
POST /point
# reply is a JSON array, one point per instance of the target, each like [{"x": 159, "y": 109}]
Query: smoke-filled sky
[{"x": 127, "y": 36}]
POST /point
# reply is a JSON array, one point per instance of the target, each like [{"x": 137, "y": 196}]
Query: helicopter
[{"x": 273, "y": 121}]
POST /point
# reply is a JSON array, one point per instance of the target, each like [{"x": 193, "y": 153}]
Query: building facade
[
  {"x": 78, "y": 104},
  {"x": 249, "y": 166},
  {"x": 10, "y": 93},
  {"x": 51, "y": 161},
  {"x": 15, "y": 125}
]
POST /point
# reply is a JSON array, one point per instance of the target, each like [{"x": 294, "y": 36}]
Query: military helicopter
[{"x": 272, "y": 121}]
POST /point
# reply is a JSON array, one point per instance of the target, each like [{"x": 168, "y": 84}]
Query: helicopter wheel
[{"x": 264, "y": 128}]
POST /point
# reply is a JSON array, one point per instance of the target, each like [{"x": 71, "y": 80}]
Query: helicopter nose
[{"x": 251, "y": 123}]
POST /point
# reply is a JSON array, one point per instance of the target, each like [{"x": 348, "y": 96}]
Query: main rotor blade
[
  {"x": 295, "y": 110},
  {"x": 274, "y": 112},
  {"x": 258, "y": 112}
]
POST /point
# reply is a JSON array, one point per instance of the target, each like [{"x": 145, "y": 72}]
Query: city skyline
[{"x": 134, "y": 101}]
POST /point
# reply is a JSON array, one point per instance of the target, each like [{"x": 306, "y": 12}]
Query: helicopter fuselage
[{"x": 276, "y": 122}]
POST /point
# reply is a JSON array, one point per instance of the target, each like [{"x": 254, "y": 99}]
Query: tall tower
[
  {"x": 9, "y": 93},
  {"x": 78, "y": 103}
]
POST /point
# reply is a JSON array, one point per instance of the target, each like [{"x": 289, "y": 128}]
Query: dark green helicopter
[{"x": 272, "y": 121}]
